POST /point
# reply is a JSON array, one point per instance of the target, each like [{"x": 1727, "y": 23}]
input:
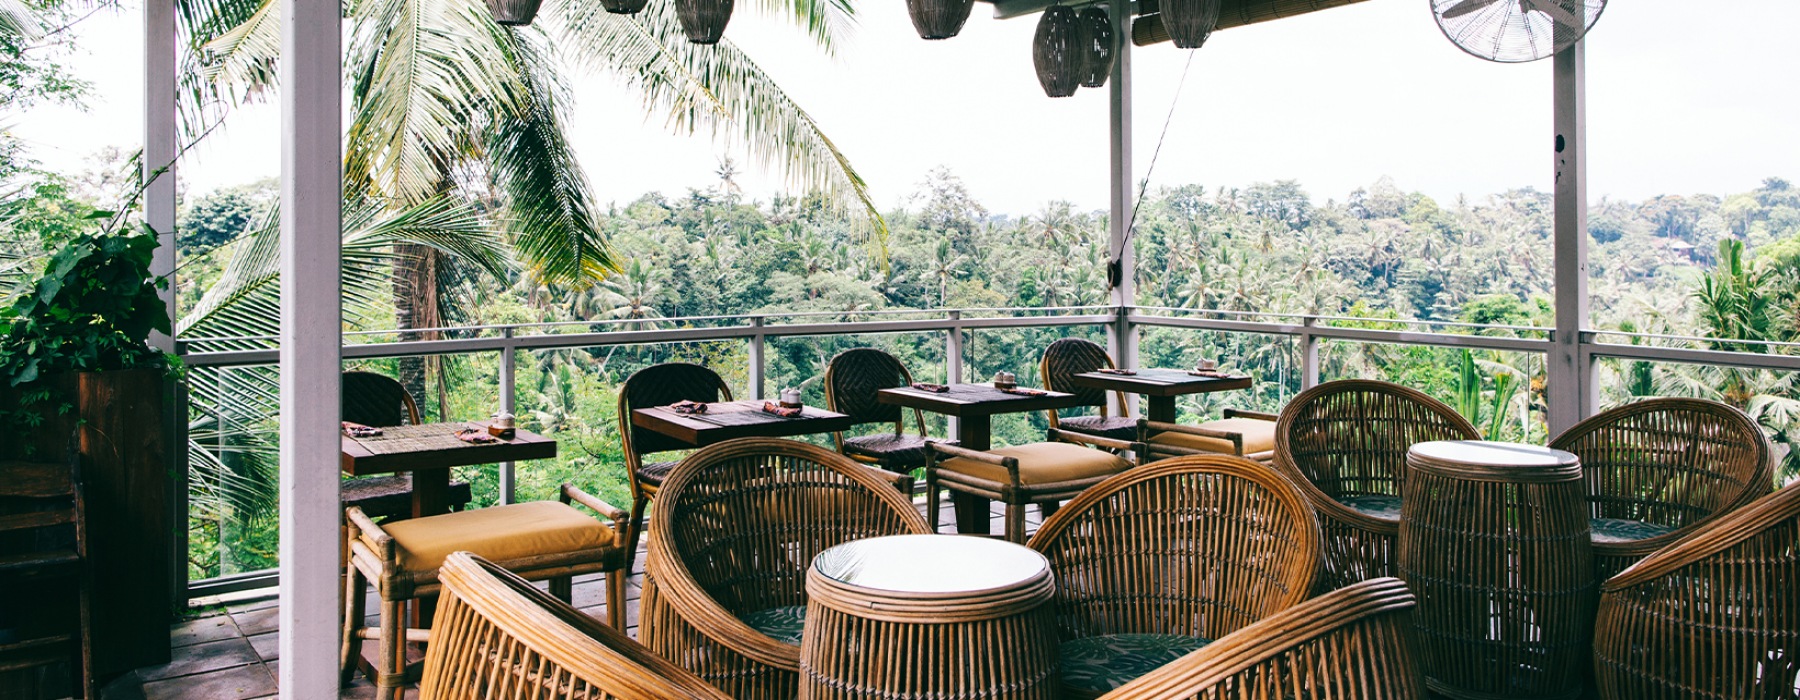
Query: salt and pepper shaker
[
  {"x": 790, "y": 398},
  {"x": 502, "y": 425},
  {"x": 1208, "y": 365},
  {"x": 1005, "y": 380}
]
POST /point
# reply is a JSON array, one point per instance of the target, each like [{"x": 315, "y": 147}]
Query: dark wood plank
[
  {"x": 699, "y": 431},
  {"x": 1160, "y": 382},
  {"x": 965, "y": 400},
  {"x": 35, "y": 480},
  {"x": 362, "y": 457}
]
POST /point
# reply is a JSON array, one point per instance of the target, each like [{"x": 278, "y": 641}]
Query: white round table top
[
  {"x": 1493, "y": 454},
  {"x": 930, "y": 563}
]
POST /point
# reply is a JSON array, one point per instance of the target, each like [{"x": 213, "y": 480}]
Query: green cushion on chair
[
  {"x": 784, "y": 624},
  {"x": 1384, "y": 507},
  {"x": 1614, "y": 530},
  {"x": 1108, "y": 661}
]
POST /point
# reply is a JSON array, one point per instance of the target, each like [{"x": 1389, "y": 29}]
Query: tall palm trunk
[{"x": 416, "y": 306}]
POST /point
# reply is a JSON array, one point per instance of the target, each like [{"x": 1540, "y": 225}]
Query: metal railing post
[
  {"x": 508, "y": 404},
  {"x": 953, "y": 359},
  {"x": 757, "y": 366},
  {"x": 1309, "y": 355}
]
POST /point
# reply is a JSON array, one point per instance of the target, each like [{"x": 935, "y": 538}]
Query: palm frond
[
  {"x": 18, "y": 20},
  {"x": 718, "y": 88},
  {"x": 828, "y": 22}
]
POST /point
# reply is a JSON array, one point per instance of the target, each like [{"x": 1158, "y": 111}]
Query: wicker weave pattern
[
  {"x": 1670, "y": 462},
  {"x": 376, "y": 400},
  {"x": 499, "y": 636},
  {"x": 1198, "y": 546},
  {"x": 1068, "y": 357},
  {"x": 853, "y": 379},
  {"x": 736, "y": 527},
  {"x": 1355, "y": 643},
  {"x": 1715, "y": 615},
  {"x": 1349, "y": 438}
]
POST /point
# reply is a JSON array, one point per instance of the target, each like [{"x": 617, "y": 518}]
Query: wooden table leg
[
  {"x": 1161, "y": 409},
  {"x": 971, "y": 510}
]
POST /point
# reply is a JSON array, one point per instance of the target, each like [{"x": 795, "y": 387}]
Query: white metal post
[
  {"x": 1571, "y": 392},
  {"x": 1123, "y": 339},
  {"x": 1309, "y": 356},
  {"x": 508, "y": 404},
  {"x": 158, "y": 160},
  {"x": 311, "y": 336},
  {"x": 953, "y": 360},
  {"x": 758, "y": 365}
]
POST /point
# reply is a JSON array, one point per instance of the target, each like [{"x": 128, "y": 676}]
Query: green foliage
[{"x": 91, "y": 308}]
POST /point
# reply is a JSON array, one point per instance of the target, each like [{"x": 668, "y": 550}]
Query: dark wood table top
[
  {"x": 1160, "y": 382},
  {"x": 728, "y": 420},
  {"x": 975, "y": 400},
  {"x": 407, "y": 448}
]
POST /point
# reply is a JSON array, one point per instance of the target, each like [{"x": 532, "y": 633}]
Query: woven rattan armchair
[
  {"x": 540, "y": 540},
  {"x": 497, "y": 637},
  {"x": 1249, "y": 434},
  {"x": 853, "y": 381},
  {"x": 1046, "y": 473},
  {"x": 735, "y": 527},
  {"x": 1355, "y": 643},
  {"x": 1658, "y": 468},
  {"x": 1715, "y": 615},
  {"x": 658, "y": 385},
  {"x": 1068, "y": 357},
  {"x": 1344, "y": 444},
  {"x": 380, "y": 401},
  {"x": 1155, "y": 562}
]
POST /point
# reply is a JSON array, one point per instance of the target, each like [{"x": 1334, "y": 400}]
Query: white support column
[
  {"x": 158, "y": 162},
  {"x": 1571, "y": 392},
  {"x": 953, "y": 361},
  {"x": 311, "y": 334},
  {"x": 1122, "y": 340},
  {"x": 509, "y": 360},
  {"x": 758, "y": 365}
]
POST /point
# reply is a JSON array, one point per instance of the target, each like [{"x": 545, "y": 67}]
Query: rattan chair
[
  {"x": 539, "y": 540},
  {"x": 1715, "y": 615},
  {"x": 1344, "y": 444},
  {"x": 1068, "y": 357},
  {"x": 735, "y": 527},
  {"x": 1355, "y": 643},
  {"x": 380, "y": 401},
  {"x": 853, "y": 381},
  {"x": 658, "y": 385},
  {"x": 1248, "y": 434},
  {"x": 1156, "y": 562},
  {"x": 1046, "y": 473},
  {"x": 499, "y": 637},
  {"x": 1658, "y": 468}
]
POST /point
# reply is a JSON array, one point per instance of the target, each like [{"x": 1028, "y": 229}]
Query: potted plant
[{"x": 80, "y": 374}]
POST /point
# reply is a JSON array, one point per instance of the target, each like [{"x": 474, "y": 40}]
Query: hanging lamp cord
[{"x": 1115, "y": 269}]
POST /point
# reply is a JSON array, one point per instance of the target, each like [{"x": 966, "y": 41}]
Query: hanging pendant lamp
[
  {"x": 1189, "y": 22},
  {"x": 513, "y": 13},
  {"x": 1098, "y": 62},
  {"x": 939, "y": 19},
  {"x": 1056, "y": 51},
  {"x": 703, "y": 20},
  {"x": 622, "y": 7}
]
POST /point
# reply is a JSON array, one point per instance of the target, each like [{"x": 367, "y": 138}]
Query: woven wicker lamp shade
[
  {"x": 1190, "y": 22},
  {"x": 623, "y": 7},
  {"x": 513, "y": 13},
  {"x": 1056, "y": 51},
  {"x": 703, "y": 20},
  {"x": 1098, "y": 62},
  {"x": 938, "y": 19}
]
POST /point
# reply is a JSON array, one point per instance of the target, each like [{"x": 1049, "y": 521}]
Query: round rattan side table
[
  {"x": 929, "y": 616},
  {"x": 1494, "y": 542}
]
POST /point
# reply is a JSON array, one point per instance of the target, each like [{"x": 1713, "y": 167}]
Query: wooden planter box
[{"x": 119, "y": 423}]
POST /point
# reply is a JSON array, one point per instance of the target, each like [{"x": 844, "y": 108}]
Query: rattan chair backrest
[
  {"x": 1670, "y": 461},
  {"x": 1355, "y": 643},
  {"x": 497, "y": 636},
  {"x": 1068, "y": 357},
  {"x": 376, "y": 400},
  {"x": 1199, "y": 545},
  {"x": 1714, "y": 615},
  {"x": 661, "y": 385},
  {"x": 737, "y": 523},
  {"x": 1350, "y": 437},
  {"x": 854, "y": 379}
]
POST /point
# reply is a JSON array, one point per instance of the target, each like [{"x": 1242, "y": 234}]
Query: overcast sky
[{"x": 1680, "y": 101}]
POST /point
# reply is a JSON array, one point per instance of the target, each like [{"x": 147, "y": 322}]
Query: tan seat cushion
[
  {"x": 1259, "y": 436},
  {"x": 1043, "y": 463},
  {"x": 498, "y": 534}
]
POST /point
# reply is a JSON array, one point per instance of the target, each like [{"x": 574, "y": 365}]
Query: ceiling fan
[{"x": 1516, "y": 31}]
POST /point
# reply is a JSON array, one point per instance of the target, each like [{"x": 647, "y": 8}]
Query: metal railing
[{"x": 757, "y": 329}]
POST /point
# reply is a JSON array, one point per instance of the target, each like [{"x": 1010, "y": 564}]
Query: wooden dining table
[
  {"x": 1160, "y": 387},
  {"x": 429, "y": 450},
  {"x": 975, "y": 406},
  {"x": 728, "y": 420}
]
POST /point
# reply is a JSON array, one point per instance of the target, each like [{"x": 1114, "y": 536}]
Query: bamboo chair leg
[
  {"x": 1048, "y": 508},
  {"x": 931, "y": 499},
  {"x": 638, "y": 503},
  {"x": 616, "y": 581},
  {"x": 1015, "y": 523},
  {"x": 390, "y": 674},
  {"x": 563, "y": 587},
  {"x": 354, "y": 590}
]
